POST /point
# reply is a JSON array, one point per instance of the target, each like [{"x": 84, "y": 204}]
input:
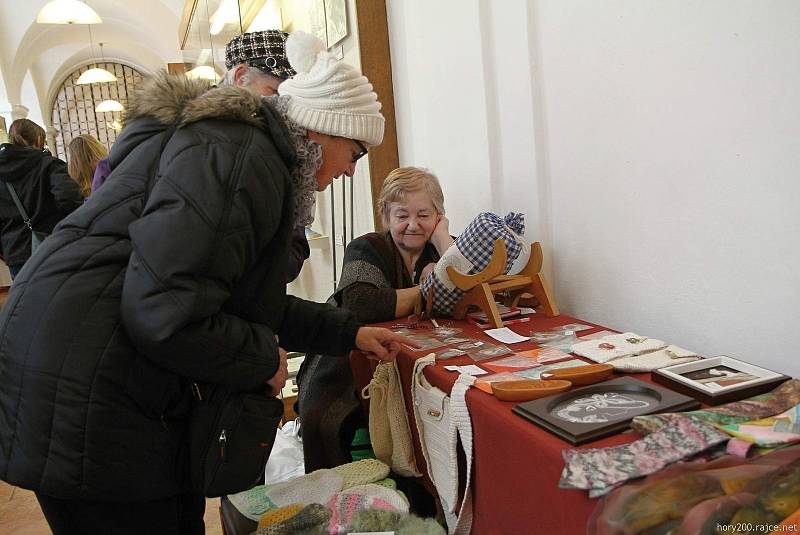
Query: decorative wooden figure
[{"x": 481, "y": 287}]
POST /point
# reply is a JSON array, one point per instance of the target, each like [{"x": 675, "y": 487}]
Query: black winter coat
[
  {"x": 45, "y": 190},
  {"x": 99, "y": 343}
]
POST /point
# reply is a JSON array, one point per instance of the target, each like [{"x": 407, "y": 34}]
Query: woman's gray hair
[{"x": 247, "y": 78}]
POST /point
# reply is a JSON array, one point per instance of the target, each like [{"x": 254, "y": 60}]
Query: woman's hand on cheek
[{"x": 441, "y": 238}]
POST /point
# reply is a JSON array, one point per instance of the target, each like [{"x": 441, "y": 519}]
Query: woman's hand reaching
[{"x": 381, "y": 344}]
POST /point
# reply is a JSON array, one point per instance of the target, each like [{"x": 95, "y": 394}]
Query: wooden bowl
[
  {"x": 580, "y": 375},
  {"x": 527, "y": 389}
]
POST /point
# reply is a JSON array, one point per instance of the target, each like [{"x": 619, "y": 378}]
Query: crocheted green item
[
  {"x": 311, "y": 520},
  {"x": 388, "y": 482},
  {"x": 362, "y": 472},
  {"x": 402, "y": 524}
]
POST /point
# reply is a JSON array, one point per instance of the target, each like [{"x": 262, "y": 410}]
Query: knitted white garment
[
  {"x": 329, "y": 96},
  {"x": 616, "y": 346},
  {"x": 371, "y": 490},
  {"x": 440, "y": 420},
  {"x": 437, "y": 434},
  {"x": 388, "y": 421},
  {"x": 316, "y": 487},
  {"x": 654, "y": 360}
]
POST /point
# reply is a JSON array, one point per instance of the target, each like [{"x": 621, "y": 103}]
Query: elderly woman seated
[{"x": 379, "y": 282}]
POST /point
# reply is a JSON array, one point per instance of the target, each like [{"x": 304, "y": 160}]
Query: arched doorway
[{"x": 74, "y": 106}]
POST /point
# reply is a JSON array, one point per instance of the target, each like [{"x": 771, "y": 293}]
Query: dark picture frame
[
  {"x": 612, "y": 404},
  {"x": 720, "y": 379}
]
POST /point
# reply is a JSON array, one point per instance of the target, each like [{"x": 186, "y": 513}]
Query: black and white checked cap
[{"x": 265, "y": 50}]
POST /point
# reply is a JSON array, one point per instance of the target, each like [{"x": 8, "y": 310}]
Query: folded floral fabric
[
  {"x": 781, "y": 399},
  {"x": 616, "y": 346},
  {"x": 782, "y": 428},
  {"x": 697, "y": 497},
  {"x": 647, "y": 362},
  {"x": 599, "y": 469}
]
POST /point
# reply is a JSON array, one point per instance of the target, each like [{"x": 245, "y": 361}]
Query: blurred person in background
[
  {"x": 83, "y": 155},
  {"x": 43, "y": 186}
]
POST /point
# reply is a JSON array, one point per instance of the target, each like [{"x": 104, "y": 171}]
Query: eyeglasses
[{"x": 362, "y": 153}]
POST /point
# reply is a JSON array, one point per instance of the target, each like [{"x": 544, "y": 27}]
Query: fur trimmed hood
[{"x": 163, "y": 96}]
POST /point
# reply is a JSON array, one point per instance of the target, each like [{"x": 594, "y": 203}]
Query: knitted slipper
[
  {"x": 362, "y": 472},
  {"x": 276, "y": 516},
  {"x": 310, "y": 520}
]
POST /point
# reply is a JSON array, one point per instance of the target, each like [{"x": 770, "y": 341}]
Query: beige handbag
[{"x": 388, "y": 421}]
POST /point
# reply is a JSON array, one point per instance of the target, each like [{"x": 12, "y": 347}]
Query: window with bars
[{"x": 74, "y": 107}]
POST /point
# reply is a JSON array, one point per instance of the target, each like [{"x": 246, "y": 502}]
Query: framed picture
[
  {"x": 603, "y": 409},
  {"x": 718, "y": 380},
  {"x": 335, "y": 20}
]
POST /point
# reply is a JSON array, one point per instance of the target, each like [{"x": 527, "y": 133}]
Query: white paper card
[
  {"x": 526, "y": 310},
  {"x": 469, "y": 370},
  {"x": 506, "y": 335}
]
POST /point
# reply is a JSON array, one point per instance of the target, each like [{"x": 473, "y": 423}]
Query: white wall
[
  {"x": 316, "y": 280},
  {"x": 653, "y": 146}
]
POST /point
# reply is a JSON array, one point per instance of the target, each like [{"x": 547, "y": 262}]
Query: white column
[{"x": 51, "y": 139}]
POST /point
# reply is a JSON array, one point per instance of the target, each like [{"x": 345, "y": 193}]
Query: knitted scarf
[{"x": 309, "y": 160}]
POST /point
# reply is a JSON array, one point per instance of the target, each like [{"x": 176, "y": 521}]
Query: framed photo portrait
[{"x": 719, "y": 379}]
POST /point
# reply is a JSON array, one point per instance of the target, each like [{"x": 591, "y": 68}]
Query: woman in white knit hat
[{"x": 173, "y": 274}]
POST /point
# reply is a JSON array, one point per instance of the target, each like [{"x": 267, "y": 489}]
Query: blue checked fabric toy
[{"x": 471, "y": 253}]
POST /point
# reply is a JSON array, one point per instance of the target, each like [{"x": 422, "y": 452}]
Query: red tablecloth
[{"x": 517, "y": 465}]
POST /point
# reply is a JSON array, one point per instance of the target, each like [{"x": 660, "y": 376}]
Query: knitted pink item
[{"x": 347, "y": 503}]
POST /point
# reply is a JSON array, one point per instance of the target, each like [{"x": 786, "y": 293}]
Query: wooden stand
[{"x": 482, "y": 287}]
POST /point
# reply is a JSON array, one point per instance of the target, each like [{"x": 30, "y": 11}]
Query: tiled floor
[{"x": 20, "y": 513}]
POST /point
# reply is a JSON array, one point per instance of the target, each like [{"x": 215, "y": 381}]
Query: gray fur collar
[{"x": 163, "y": 96}]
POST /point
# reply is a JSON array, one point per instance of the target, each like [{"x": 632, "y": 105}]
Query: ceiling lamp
[
  {"x": 109, "y": 105},
  {"x": 96, "y": 76},
  {"x": 67, "y": 12},
  {"x": 203, "y": 72}
]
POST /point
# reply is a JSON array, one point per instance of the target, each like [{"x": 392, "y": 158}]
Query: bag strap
[{"x": 20, "y": 208}]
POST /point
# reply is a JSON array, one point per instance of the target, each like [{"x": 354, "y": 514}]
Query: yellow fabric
[
  {"x": 388, "y": 421},
  {"x": 275, "y": 516}
]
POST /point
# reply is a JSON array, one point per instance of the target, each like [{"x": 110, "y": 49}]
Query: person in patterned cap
[{"x": 257, "y": 61}]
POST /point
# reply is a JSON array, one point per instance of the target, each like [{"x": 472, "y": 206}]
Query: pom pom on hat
[
  {"x": 330, "y": 96},
  {"x": 302, "y": 50}
]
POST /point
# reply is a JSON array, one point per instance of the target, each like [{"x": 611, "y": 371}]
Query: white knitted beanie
[{"x": 330, "y": 96}]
